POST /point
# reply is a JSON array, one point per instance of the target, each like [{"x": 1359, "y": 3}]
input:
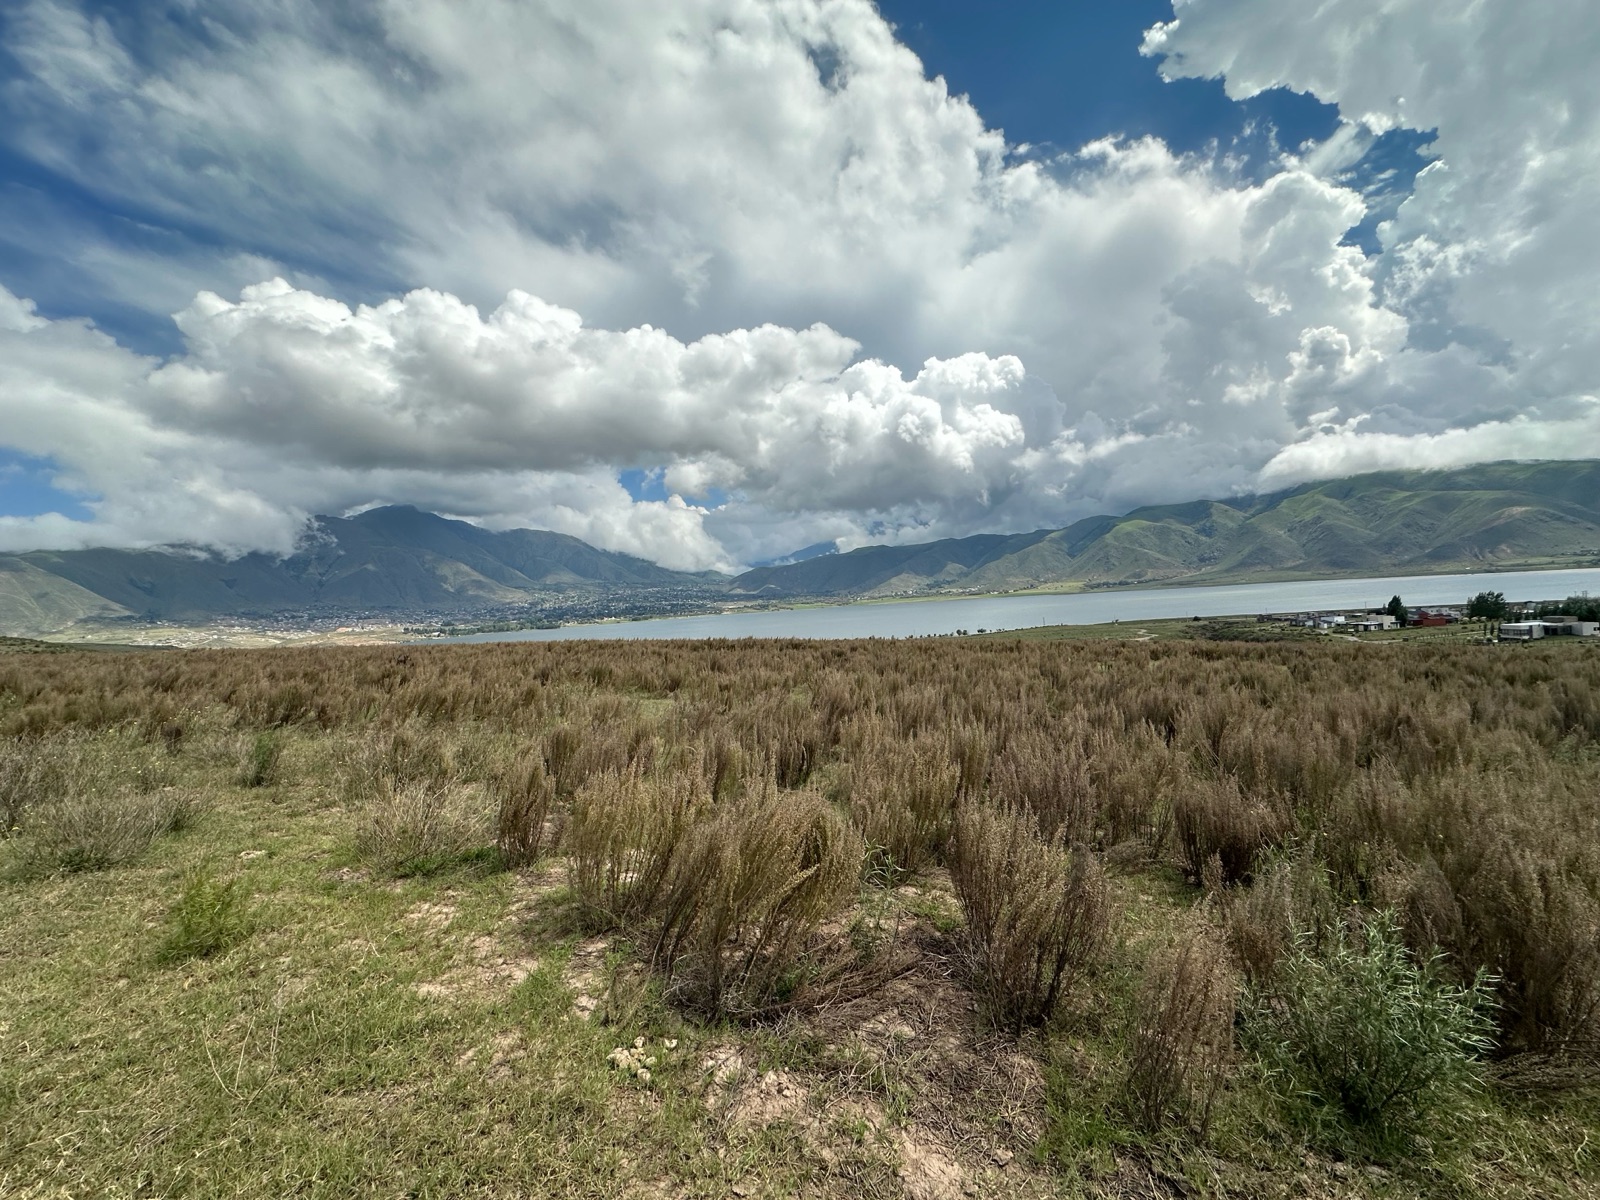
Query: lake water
[{"x": 917, "y": 618}]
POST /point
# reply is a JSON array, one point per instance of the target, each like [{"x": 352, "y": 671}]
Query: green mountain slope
[
  {"x": 1390, "y": 522},
  {"x": 35, "y": 602},
  {"x": 387, "y": 560}
]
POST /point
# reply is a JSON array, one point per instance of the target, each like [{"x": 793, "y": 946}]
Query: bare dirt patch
[
  {"x": 927, "y": 1169},
  {"x": 906, "y": 1074},
  {"x": 433, "y": 917},
  {"x": 585, "y": 975}
]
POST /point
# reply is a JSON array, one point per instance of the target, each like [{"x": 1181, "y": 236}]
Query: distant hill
[
  {"x": 395, "y": 560},
  {"x": 409, "y": 564},
  {"x": 1500, "y": 514}
]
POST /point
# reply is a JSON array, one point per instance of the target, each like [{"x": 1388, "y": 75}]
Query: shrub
[
  {"x": 903, "y": 802},
  {"x": 258, "y": 760},
  {"x": 1508, "y": 880},
  {"x": 25, "y": 776},
  {"x": 419, "y": 828},
  {"x": 1363, "y": 1040},
  {"x": 83, "y": 804},
  {"x": 1181, "y": 1044},
  {"x": 89, "y": 830},
  {"x": 723, "y": 764},
  {"x": 621, "y": 838},
  {"x": 524, "y": 795},
  {"x": 1290, "y": 899},
  {"x": 1035, "y": 912},
  {"x": 208, "y": 918},
  {"x": 561, "y": 746},
  {"x": 1215, "y": 819},
  {"x": 386, "y": 760},
  {"x": 750, "y": 883},
  {"x": 1051, "y": 780}
]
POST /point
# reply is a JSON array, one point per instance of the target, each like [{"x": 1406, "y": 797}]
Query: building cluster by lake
[{"x": 1524, "y": 622}]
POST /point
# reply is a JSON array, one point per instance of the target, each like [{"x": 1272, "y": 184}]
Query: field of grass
[{"x": 1006, "y": 916}]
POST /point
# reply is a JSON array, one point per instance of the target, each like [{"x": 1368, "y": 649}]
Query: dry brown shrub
[
  {"x": 969, "y": 746},
  {"x": 1181, "y": 1043},
  {"x": 1215, "y": 819},
  {"x": 902, "y": 800},
  {"x": 79, "y": 803},
  {"x": 25, "y": 777},
  {"x": 723, "y": 763},
  {"x": 750, "y": 884},
  {"x": 561, "y": 746},
  {"x": 523, "y": 795},
  {"x": 1290, "y": 896},
  {"x": 417, "y": 827},
  {"x": 385, "y": 760},
  {"x": 1036, "y": 912},
  {"x": 1046, "y": 771},
  {"x": 621, "y": 837},
  {"x": 1454, "y": 783}
]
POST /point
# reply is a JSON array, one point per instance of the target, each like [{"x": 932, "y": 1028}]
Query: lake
[{"x": 919, "y": 618}]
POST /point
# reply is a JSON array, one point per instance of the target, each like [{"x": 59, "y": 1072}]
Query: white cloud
[
  {"x": 289, "y": 402},
  {"x": 1492, "y": 261},
  {"x": 715, "y": 237}
]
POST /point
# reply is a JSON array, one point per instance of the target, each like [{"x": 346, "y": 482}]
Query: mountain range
[
  {"x": 1416, "y": 522},
  {"x": 407, "y": 564}
]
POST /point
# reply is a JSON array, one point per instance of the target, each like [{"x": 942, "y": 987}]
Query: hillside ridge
[
  {"x": 401, "y": 563},
  {"x": 1497, "y": 514}
]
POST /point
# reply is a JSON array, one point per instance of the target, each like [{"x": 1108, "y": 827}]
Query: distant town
[{"x": 1577, "y": 616}]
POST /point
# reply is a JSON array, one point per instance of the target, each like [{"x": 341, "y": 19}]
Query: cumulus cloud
[
  {"x": 1491, "y": 262},
  {"x": 752, "y": 247},
  {"x": 287, "y": 401}
]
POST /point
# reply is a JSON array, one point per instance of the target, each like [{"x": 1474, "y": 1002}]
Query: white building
[
  {"x": 1570, "y": 627},
  {"x": 1521, "y": 631},
  {"x": 1372, "y": 623}
]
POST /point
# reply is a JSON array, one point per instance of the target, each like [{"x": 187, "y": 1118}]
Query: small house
[{"x": 1372, "y": 624}]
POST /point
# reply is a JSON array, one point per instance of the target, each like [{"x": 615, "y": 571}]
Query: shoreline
[{"x": 235, "y": 634}]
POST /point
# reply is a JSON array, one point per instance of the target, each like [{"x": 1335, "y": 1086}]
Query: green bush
[
  {"x": 1363, "y": 1043},
  {"x": 258, "y": 760},
  {"x": 208, "y": 918}
]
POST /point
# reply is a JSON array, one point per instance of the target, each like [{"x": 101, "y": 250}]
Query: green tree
[
  {"x": 1487, "y": 606},
  {"x": 1397, "y": 609}
]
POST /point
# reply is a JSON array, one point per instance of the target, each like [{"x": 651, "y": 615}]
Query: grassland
[{"x": 776, "y": 919}]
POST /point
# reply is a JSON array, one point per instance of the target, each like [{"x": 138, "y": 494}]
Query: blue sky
[
  {"x": 709, "y": 281},
  {"x": 27, "y": 488},
  {"x": 1067, "y": 73}
]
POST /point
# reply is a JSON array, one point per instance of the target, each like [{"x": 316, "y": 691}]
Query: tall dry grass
[
  {"x": 1036, "y": 912},
  {"x": 750, "y": 884},
  {"x": 1181, "y": 1044},
  {"x": 1454, "y": 784}
]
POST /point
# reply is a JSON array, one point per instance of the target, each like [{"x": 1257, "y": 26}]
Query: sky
[{"x": 710, "y": 281}]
